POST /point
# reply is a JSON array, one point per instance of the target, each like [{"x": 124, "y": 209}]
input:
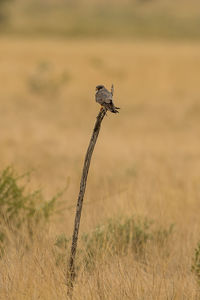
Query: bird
[{"x": 105, "y": 98}]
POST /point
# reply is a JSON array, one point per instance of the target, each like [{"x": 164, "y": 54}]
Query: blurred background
[
  {"x": 53, "y": 53},
  {"x": 85, "y": 18}
]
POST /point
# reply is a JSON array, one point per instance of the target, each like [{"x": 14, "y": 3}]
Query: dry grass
[
  {"x": 146, "y": 161},
  {"x": 169, "y": 19}
]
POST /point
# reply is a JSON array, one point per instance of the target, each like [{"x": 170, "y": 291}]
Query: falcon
[{"x": 105, "y": 98}]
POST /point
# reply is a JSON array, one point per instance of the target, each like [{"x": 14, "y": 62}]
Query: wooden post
[{"x": 71, "y": 270}]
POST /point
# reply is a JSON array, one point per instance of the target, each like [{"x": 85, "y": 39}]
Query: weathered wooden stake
[{"x": 71, "y": 270}]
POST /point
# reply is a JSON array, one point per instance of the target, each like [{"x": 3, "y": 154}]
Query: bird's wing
[
  {"x": 106, "y": 95},
  {"x": 99, "y": 98}
]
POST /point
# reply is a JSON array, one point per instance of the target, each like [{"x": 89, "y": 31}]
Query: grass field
[
  {"x": 157, "y": 19},
  {"x": 146, "y": 162}
]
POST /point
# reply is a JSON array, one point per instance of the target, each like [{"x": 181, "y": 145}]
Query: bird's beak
[{"x": 95, "y": 89}]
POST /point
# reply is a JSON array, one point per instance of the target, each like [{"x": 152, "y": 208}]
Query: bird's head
[{"x": 99, "y": 87}]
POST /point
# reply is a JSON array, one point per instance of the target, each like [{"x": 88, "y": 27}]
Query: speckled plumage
[{"x": 105, "y": 98}]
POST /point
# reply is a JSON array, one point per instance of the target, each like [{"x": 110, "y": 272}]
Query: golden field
[
  {"x": 146, "y": 162},
  {"x": 170, "y": 19}
]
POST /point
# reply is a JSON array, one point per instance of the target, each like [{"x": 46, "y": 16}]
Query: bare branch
[{"x": 71, "y": 272}]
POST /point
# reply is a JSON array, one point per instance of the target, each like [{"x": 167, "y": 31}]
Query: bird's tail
[
  {"x": 115, "y": 109},
  {"x": 110, "y": 106}
]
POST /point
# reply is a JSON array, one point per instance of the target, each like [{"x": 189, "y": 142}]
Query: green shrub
[
  {"x": 44, "y": 81},
  {"x": 196, "y": 263},
  {"x": 61, "y": 249},
  {"x": 119, "y": 236},
  {"x": 20, "y": 208},
  {"x": 3, "y": 10},
  {"x": 116, "y": 237}
]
